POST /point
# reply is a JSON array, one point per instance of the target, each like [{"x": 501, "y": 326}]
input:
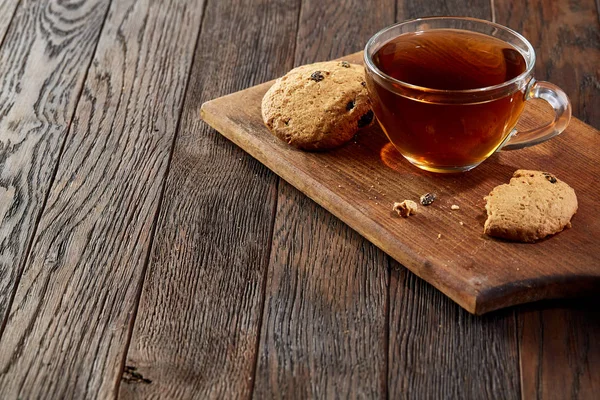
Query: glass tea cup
[{"x": 449, "y": 129}]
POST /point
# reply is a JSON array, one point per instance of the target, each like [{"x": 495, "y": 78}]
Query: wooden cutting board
[{"x": 359, "y": 182}]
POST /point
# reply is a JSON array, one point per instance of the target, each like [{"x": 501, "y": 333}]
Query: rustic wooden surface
[
  {"x": 207, "y": 269},
  {"x": 69, "y": 324},
  {"x": 365, "y": 178},
  {"x": 7, "y": 11},
  {"x": 114, "y": 196},
  {"x": 571, "y": 61},
  {"x": 44, "y": 58},
  {"x": 427, "y": 329},
  {"x": 324, "y": 324}
]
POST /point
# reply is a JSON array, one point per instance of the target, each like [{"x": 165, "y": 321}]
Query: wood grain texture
[
  {"x": 566, "y": 37},
  {"x": 439, "y": 351},
  {"x": 410, "y": 9},
  {"x": 560, "y": 352},
  {"x": 324, "y": 328},
  {"x": 199, "y": 315},
  {"x": 329, "y": 30},
  {"x": 70, "y": 322},
  {"x": 478, "y": 272},
  {"x": 558, "y": 357},
  {"x": 7, "y": 12},
  {"x": 436, "y": 349},
  {"x": 324, "y": 331},
  {"x": 43, "y": 62}
]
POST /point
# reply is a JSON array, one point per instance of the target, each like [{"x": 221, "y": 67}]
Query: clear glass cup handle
[{"x": 562, "y": 115}]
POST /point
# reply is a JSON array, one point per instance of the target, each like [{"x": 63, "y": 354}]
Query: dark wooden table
[{"x": 142, "y": 255}]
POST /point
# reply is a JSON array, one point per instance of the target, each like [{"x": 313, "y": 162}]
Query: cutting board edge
[{"x": 547, "y": 288}]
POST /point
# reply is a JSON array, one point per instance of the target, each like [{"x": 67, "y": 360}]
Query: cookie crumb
[
  {"x": 439, "y": 235},
  {"x": 406, "y": 208},
  {"x": 461, "y": 223},
  {"x": 454, "y": 207},
  {"x": 427, "y": 199}
]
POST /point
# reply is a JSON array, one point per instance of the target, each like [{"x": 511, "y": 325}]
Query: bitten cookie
[
  {"x": 318, "y": 106},
  {"x": 532, "y": 206}
]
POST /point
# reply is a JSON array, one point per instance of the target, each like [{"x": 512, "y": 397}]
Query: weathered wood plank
[
  {"x": 7, "y": 12},
  {"x": 436, "y": 349},
  {"x": 199, "y": 315},
  {"x": 560, "y": 351},
  {"x": 559, "y": 356},
  {"x": 70, "y": 321},
  {"x": 409, "y": 9},
  {"x": 439, "y": 351},
  {"x": 324, "y": 328},
  {"x": 43, "y": 61}
]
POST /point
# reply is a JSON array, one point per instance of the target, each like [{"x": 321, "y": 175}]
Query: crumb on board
[
  {"x": 461, "y": 223},
  {"x": 455, "y": 207},
  {"x": 439, "y": 235},
  {"x": 406, "y": 208}
]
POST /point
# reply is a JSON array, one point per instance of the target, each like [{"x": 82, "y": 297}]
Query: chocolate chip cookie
[
  {"x": 318, "y": 106},
  {"x": 532, "y": 206}
]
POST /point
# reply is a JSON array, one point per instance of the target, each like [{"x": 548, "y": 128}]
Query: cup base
[{"x": 442, "y": 169}]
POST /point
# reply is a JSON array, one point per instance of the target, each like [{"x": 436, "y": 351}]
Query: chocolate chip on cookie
[
  {"x": 317, "y": 76},
  {"x": 366, "y": 119},
  {"x": 318, "y": 106}
]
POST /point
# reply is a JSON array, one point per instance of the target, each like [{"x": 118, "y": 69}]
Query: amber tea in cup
[
  {"x": 448, "y": 92},
  {"x": 448, "y": 59}
]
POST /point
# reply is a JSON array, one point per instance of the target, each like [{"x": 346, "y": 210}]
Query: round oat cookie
[
  {"x": 532, "y": 206},
  {"x": 318, "y": 106}
]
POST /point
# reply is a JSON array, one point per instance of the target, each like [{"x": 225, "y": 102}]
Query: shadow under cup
[{"x": 448, "y": 92}]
